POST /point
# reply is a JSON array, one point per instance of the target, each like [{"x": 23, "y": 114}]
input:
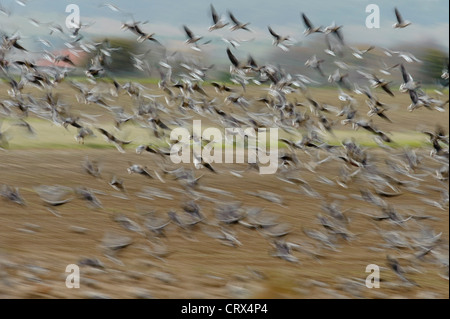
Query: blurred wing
[
  {"x": 273, "y": 33},
  {"x": 215, "y": 17},
  {"x": 399, "y": 17},
  {"x": 414, "y": 97},
  {"x": 232, "y": 58},
  {"x": 188, "y": 32},
  {"x": 404, "y": 74},
  {"x": 308, "y": 23},
  {"x": 233, "y": 18}
]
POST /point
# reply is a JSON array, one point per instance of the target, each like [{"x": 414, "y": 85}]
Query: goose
[
  {"x": 138, "y": 169},
  {"x": 314, "y": 63},
  {"x": 55, "y": 195},
  {"x": 340, "y": 79},
  {"x": 11, "y": 42},
  {"x": 218, "y": 23},
  {"x": 359, "y": 53},
  {"x": 398, "y": 270},
  {"x": 12, "y": 194},
  {"x": 191, "y": 38},
  {"x": 374, "y": 109},
  {"x": 309, "y": 26},
  {"x": 284, "y": 249},
  {"x": 336, "y": 31},
  {"x": 117, "y": 184},
  {"x": 400, "y": 22},
  {"x": 279, "y": 39},
  {"x": 407, "y": 56},
  {"x": 152, "y": 149},
  {"x": 236, "y": 66},
  {"x": 408, "y": 82},
  {"x": 91, "y": 167},
  {"x": 88, "y": 195},
  {"x": 377, "y": 82},
  {"x": 237, "y": 24},
  {"x": 332, "y": 49},
  {"x": 199, "y": 162},
  {"x": 221, "y": 87},
  {"x": 142, "y": 36},
  {"x": 112, "y": 139}
]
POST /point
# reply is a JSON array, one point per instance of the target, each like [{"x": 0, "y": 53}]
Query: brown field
[{"x": 36, "y": 244}]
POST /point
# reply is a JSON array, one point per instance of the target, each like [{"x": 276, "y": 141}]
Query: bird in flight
[
  {"x": 237, "y": 24},
  {"x": 309, "y": 26},
  {"x": 218, "y": 22},
  {"x": 400, "y": 22},
  {"x": 112, "y": 139},
  {"x": 279, "y": 40}
]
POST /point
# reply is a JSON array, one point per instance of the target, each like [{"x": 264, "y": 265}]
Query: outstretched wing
[
  {"x": 399, "y": 17},
  {"x": 273, "y": 33},
  {"x": 215, "y": 17},
  {"x": 405, "y": 74},
  {"x": 414, "y": 97},
  {"x": 107, "y": 134},
  {"x": 339, "y": 35},
  {"x": 188, "y": 32},
  {"x": 232, "y": 58},
  {"x": 307, "y": 22},
  {"x": 233, "y": 18},
  {"x": 251, "y": 62}
]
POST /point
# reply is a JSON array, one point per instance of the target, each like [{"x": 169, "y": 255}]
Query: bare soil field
[{"x": 210, "y": 258}]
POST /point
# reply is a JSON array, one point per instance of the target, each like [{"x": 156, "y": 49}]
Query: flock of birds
[{"x": 181, "y": 96}]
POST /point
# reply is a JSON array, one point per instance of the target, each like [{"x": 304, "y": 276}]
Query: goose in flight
[
  {"x": 83, "y": 132},
  {"x": 409, "y": 85},
  {"x": 279, "y": 39},
  {"x": 55, "y": 195},
  {"x": 309, "y": 26},
  {"x": 333, "y": 49},
  {"x": 220, "y": 87},
  {"x": 12, "y": 194},
  {"x": 199, "y": 162},
  {"x": 314, "y": 63},
  {"x": 377, "y": 82},
  {"x": 407, "y": 56},
  {"x": 192, "y": 38},
  {"x": 142, "y": 36},
  {"x": 138, "y": 169},
  {"x": 237, "y": 24},
  {"x": 408, "y": 81},
  {"x": 117, "y": 183},
  {"x": 359, "y": 53},
  {"x": 89, "y": 196},
  {"x": 152, "y": 149},
  {"x": 395, "y": 266},
  {"x": 91, "y": 167},
  {"x": 9, "y": 42},
  {"x": 400, "y": 22},
  {"x": 218, "y": 22},
  {"x": 336, "y": 31},
  {"x": 237, "y": 66},
  {"x": 112, "y": 139}
]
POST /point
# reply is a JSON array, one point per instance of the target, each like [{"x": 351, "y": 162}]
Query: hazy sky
[{"x": 430, "y": 18}]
